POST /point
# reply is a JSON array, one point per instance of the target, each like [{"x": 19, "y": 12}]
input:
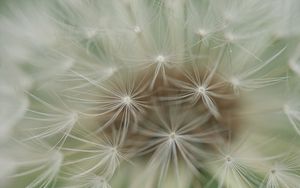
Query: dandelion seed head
[{"x": 145, "y": 93}]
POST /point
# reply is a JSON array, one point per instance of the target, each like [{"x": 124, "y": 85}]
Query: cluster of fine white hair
[{"x": 150, "y": 94}]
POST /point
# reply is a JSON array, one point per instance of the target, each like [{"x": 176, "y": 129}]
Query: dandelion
[{"x": 139, "y": 93}]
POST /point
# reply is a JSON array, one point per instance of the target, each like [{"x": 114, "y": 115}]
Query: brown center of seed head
[{"x": 192, "y": 91}]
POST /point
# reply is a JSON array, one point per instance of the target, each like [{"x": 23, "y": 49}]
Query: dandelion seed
[
  {"x": 118, "y": 99},
  {"x": 198, "y": 86},
  {"x": 160, "y": 59},
  {"x": 56, "y": 122},
  {"x": 110, "y": 71},
  {"x": 175, "y": 141},
  {"x": 137, "y": 29},
  {"x": 100, "y": 156},
  {"x": 91, "y": 33},
  {"x": 283, "y": 174},
  {"x": 229, "y": 37},
  {"x": 236, "y": 83},
  {"x": 201, "y": 90},
  {"x": 48, "y": 166},
  {"x": 127, "y": 100},
  {"x": 245, "y": 80},
  {"x": 173, "y": 136},
  {"x": 295, "y": 66},
  {"x": 293, "y": 116},
  {"x": 202, "y": 32}
]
